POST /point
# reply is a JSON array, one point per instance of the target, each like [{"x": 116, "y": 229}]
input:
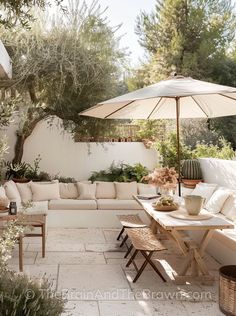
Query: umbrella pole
[{"x": 178, "y": 141}]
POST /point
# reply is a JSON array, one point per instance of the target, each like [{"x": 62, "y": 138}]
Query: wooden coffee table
[{"x": 35, "y": 221}]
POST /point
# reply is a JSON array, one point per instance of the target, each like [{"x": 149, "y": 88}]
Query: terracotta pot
[
  {"x": 20, "y": 180},
  {"x": 191, "y": 184}
]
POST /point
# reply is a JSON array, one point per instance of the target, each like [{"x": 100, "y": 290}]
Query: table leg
[
  {"x": 21, "y": 253},
  {"x": 43, "y": 240}
]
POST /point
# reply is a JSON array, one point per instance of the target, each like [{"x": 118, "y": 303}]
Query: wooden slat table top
[
  {"x": 169, "y": 223},
  {"x": 29, "y": 219}
]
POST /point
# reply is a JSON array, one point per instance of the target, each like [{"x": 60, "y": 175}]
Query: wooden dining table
[{"x": 178, "y": 230}]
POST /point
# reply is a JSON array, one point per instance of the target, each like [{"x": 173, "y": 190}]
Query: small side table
[{"x": 34, "y": 220}]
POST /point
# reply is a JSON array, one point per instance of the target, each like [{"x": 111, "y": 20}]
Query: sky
[{"x": 126, "y": 12}]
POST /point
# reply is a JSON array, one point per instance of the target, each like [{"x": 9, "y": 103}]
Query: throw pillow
[
  {"x": 203, "y": 190},
  {"x": 125, "y": 191},
  {"x": 68, "y": 191},
  {"x": 217, "y": 200},
  {"x": 44, "y": 192},
  {"x": 105, "y": 190},
  {"x": 2, "y": 192},
  {"x": 25, "y": 191},
  {"x": 86, "y": 191},
  {"x": 146, "y": 189},
  {"x": 12, "y": 192},
  {"x": 231, "y": 215}
]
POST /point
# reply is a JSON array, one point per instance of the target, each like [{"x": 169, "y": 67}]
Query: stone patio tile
[
  {"x": 75, "y": 308},
  {"x": 202, "y": 309},
  {"x": 28, "y": 258},
  {"x": 111, "y": 234},
  {"x": 150, "y": 287},
  {"x": 90, "y": 235},
  {"x": 52, "y": 246},
  {"x": 141, "y": 308},
  {"x": 32, "y": 240},
  {"x": 71, "y": 258},
  {"x": 98, "y": 282},
  {"x": 112, "y": 247},
  {"x": 114, "y": 255},
  {"x": 122, "y": 263}
]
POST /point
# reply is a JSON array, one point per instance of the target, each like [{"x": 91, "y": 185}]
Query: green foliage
[
  {"x": 65, "y": 68},
  {"x": 168, "y": 151},
  {"x": 65, "y": 179},
  {"x": 223, "y": 151},
  {"x": 8, "y": 240},
  {"x": 18, "y": 12},
  {"x": 194, "y": 131},
  {"x": 121, "y": 173},
  {"x": 16, "y": 170},
  {"x": 226, "y": 127},
  {"x": 21, "y": 296},
  {"x": 189, "y": 37},
  {"x": 150, "y": 129}
]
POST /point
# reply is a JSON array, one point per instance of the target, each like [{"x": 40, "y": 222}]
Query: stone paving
[{"x": 87, "y": 265}]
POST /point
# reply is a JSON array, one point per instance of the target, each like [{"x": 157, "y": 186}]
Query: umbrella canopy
[
  {"x": 174, "y": 98},
  {"x": 197, "y": 99}
]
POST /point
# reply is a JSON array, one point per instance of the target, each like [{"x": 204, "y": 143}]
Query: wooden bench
[
  {"x": 129, "y": 221},
  {"x": 143, "y": 240}
]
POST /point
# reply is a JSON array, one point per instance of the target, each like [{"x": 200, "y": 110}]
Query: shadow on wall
[{"x": 222, "y": 172}]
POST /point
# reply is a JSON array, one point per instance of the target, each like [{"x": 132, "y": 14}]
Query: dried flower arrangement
[{"x": 163, "y": 177}]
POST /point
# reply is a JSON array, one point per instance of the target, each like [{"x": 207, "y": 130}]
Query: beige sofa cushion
[
  {"x": 40, "y": 207},
  {"x": 114, "y": 204},
  {"x": 44, "y": 192},
  {"x": 146, "y": 189},
  {"x": 105, "y": 190},
  {"x": 12, "y": 192},
  {"x": 69, "y": 204},
  {"x": 217, "y": 200},
  {"x": 25, "y": 191},
  {"x": 2, "y": 193},
  {"x": 68, "y": 190},
  {"x": 204, "y": 190},
  {"x": 86, "y": 191},
  {"x": 125, "y": 191}
]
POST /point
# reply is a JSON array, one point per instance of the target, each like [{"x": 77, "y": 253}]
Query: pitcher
[{"x": 194, "y": 204}]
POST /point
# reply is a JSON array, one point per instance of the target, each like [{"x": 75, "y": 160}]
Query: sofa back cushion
[
  {"x": 12, "y": 192},
  {"x": 86, "y": 191},
  {"x": 45, "y": 192},
  {"x": 229, "y": 208},
  {"x": 217, "y": 200},
  {"x": 146, "y": 189},
  {"x": 105, "y": 190},
  {"x": 2, "y": 193},
  {"x": 204, "y": 190},
  {"x": 68, "y": 191},
  {"x": 125, "y": 191},
  {"x": 25, "y": 191}
]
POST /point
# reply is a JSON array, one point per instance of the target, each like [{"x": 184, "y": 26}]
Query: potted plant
[
  {"x": 191, "y": 173},
  {"x": 165, "y": 179},
  {"x": 17, "y": 171}
]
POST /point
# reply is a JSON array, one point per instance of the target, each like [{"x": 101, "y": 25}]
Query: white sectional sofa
[
  {"x": 222, "y": 202},
  {"x": 79, "y": 205}
]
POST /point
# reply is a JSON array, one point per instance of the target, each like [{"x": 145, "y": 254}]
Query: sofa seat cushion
[
  {"x": 114, "y": 204},
  {"x": 40, "y": 207},
  {"x": 69, "y": 204}
]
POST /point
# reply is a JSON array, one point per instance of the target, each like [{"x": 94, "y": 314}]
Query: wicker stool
[
  {"x": 129, "y": 221},
  {"x": 144, "y": 240}
]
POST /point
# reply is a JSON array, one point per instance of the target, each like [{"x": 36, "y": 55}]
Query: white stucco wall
[
  {"x": 222, "y": 172},
  {"x": 5, "y": 63},
  {"x": 60, "y": 154}
]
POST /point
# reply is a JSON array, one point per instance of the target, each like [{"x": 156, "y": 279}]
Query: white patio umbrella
[{"x": 174, "y": 98}]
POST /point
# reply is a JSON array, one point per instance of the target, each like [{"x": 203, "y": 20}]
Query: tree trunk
[{"x": 21, "y": 137}]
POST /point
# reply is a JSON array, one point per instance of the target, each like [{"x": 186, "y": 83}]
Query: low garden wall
[
  {"x": 60, "y": 154},
  {"x": 222, "y": 172}
]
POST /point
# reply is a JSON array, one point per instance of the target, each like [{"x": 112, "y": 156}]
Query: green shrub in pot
[{"x": 191, "y": 172}]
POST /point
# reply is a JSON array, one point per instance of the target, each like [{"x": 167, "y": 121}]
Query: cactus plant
[{"x": 191, "y": 172}]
